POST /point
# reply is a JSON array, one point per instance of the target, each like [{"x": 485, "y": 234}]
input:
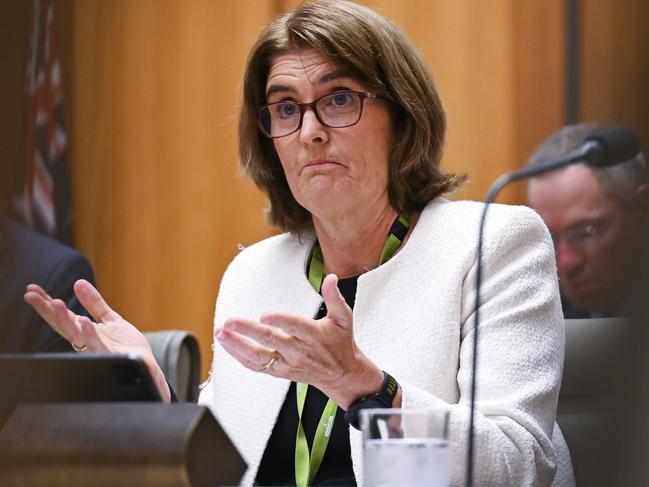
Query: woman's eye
[
  {"x": 341, "y": 99},
  {"x": 287, "y": 109}
]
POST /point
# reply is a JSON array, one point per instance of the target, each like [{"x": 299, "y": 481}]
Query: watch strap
[{"x": 381, "y": 399}]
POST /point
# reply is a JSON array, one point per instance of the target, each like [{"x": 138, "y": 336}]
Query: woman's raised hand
[
  {"x": 317, "y": 352},
  {"x": 109, "y": 333}
]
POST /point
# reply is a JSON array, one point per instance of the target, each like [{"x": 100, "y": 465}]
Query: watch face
[
  {"x": 390, "y": 386},
  {"x": 381, "y": 400}
]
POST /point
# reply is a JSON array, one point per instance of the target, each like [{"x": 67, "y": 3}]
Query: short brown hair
[
  {"x": 618, "y": 181},
  {"x": 376, "y": 52}
]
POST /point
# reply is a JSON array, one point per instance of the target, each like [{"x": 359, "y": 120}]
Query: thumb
[
  {"x": 337, "y": 309},
  {"x": 90, "y": 299}
]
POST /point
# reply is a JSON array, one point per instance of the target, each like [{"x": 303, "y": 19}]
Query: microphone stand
[
  {"x": 603, "y": 148},
  {"x": 500, "y": 183},
  {"x": 494, "y": 190}
]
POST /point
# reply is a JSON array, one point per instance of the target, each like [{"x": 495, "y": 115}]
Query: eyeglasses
[
  {"x": 335, "y": 110},
  {"x": 584, "y": 235}
]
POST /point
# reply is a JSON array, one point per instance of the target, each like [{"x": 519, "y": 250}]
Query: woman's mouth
[{"x": 320, "y": 163}]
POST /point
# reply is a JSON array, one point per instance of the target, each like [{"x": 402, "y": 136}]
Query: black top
[{"x": 278, "y": 463}]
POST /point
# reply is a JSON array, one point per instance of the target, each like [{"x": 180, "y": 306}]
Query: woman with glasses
[{"x": 367, "y": 298}]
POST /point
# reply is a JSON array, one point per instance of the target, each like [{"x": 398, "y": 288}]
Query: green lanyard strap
[
  {"x": 397, "y": 234},
  {"x": 316, "y": 268},
  {"x": 307, "y": 463}
]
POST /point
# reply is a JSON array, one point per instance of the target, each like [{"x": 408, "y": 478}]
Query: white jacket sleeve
[{"x": 520, "y": 357}]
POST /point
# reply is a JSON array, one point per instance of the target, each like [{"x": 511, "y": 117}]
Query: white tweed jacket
[{"x": 414, "y": 318}]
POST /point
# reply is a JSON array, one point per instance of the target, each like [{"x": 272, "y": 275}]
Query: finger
[
  {"x": 90, "y": 299},
  {"x": 36, "y": 294},
  {"x": 42, "y": 304},
  {"x": 35, "y": 288},
  {"x": 243, "y": 360},
  {"x": 45, "y": 307},
  {"x": 337, "y": 309},
  {"x": 248, "y": 352},
  {"x": 295, "y": 326},
  {"x": 269, "y": 336},
  {"x": 67, "y": 324}
]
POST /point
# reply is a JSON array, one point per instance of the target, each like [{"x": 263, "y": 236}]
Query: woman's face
[{"x": 331, "y": 171}]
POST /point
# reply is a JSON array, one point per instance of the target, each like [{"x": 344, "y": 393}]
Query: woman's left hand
[
  {"x": 109, "y": 333},
  {"x": 317, "y": 352}
]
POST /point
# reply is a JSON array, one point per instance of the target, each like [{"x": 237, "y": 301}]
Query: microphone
[
  {"x": 604, "y": 147},
  {"x": 610, "y": 146}
]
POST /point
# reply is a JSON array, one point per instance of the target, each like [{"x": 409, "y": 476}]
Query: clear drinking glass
[{"x": 404, "y": 447}]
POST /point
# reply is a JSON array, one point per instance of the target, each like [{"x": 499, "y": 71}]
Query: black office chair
[
  {"x": 591, "y": 389},
  {"x": 178, "y": 355}
]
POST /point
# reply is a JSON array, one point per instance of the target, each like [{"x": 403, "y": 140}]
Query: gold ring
[
  {"x": 273, "y": 358},
  {"x": 79, "y": 349}
]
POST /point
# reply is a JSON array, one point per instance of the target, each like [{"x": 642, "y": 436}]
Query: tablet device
[{"x": 72, "y": 377}]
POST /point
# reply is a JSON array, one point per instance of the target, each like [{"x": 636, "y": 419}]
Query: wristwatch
[{"x": 381, "y": 399}]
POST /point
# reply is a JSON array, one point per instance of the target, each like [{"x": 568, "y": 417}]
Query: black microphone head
[{"x": 611, "y": 145}]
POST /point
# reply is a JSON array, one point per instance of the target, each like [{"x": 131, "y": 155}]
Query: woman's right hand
[{"x": 109, "y": 333}]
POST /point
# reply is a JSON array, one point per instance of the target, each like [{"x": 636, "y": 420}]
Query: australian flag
[{"x": 44, "y": 203}]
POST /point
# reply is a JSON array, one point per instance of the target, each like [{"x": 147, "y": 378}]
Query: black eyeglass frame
[{"x": 312, "y": 105}]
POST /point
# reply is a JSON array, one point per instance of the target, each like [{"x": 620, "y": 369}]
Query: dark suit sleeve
[{"x": 59, "y": 284}]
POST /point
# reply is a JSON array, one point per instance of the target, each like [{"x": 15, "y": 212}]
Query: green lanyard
[{"x": 307, "y": 464}]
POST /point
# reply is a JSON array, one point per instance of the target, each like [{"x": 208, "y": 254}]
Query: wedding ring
[
  {"x": 79, "y": 349},
  {"x": 273, "y": 358}
]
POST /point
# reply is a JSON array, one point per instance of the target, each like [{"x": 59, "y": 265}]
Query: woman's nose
[{"x": 312, "y": 131}]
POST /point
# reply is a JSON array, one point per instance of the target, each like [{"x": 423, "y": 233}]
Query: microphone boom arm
[{"x": 604, "y": 147}]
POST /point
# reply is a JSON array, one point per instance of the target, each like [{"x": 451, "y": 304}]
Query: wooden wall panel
[
  {"x": 160, "y": 206},
  {"x": 614, "y": 66},
  {"x": 469, "y": 50},
  {"x": 540, "y": 73}
]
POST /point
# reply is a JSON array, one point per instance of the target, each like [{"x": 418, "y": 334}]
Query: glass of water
[{"x": 405, "y": 447}]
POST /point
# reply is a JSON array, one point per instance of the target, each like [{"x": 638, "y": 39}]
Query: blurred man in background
[
  {"x": 27, "y": 256},
  {"x": 599, "y": 221}
]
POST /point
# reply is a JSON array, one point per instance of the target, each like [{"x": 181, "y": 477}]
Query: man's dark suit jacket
[{"x": 29, "y": 257}]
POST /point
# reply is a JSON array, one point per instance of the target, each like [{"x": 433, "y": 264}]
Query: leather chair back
[
  {"x": 178, "y": 355},
  {"x": 593, "y": 374}
]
